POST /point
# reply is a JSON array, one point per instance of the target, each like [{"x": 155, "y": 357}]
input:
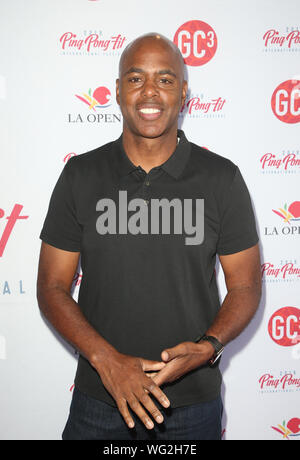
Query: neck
[{"x": 147, "y": 152}]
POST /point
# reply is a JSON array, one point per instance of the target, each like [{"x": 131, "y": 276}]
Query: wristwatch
[{"x": 219, "y": 348}]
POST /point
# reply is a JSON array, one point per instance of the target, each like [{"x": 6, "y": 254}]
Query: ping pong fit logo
[
  {"x": 285, "y": 271},
  {"x": 273, "y": 164},
  {"x": 284, "y": 326},
  {"x": 99, "y": 99},
  {"x": 289, "y": 214},
  {"x": 11, "y": 222},
  {"x": 291, "y": 429},
  {"x": 90, "y": 43},
  {"x": 197, "y": 42},
  {"x": 138, "y": 222},
  {"x": 199, "y": 106},
  {"x": 273, "y": 40},
  {"x": 285, "y": 101},
  {"x": 285, "y": 382}
]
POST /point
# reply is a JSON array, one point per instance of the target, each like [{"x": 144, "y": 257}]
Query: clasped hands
[
  {"x": 131, "y": 379},
  {"x": 180, "y": 360}
]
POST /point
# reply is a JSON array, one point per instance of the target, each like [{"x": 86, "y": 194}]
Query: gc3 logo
[
  {"x": 197, "y": 42},
  {"x": 284, "y": 326},
  {"x": 285, "y": 101}
]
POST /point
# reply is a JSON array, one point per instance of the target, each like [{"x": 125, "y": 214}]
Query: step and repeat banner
[{"x": 59, "y": 63}]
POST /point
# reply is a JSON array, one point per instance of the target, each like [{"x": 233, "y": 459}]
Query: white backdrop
[{"x": 59, "y": 63}]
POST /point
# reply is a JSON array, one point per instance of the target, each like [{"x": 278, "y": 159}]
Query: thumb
[
  {"x": 149, "y": 365},
  {"x": 165, "y": 355},
  {"x": 171, "y": 353}
]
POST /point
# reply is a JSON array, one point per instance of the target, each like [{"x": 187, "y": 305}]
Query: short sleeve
[
  {"x": 61, "y": 227},
  {"x": 237, "y": 228}
]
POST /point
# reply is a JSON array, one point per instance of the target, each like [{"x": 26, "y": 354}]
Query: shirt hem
[{"x": 58, "y": 245}]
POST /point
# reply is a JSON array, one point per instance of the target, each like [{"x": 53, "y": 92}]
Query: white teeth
[{"x": 148, "y": 111}]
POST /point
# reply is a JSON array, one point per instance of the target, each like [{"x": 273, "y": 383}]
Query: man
[{"x": 147, "y": 214}]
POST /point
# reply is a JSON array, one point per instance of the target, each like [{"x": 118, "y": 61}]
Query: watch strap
[{"x": 218, "y": 346}]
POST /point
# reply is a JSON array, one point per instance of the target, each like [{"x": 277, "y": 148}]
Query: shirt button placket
[{"x": 146, "y": 184}]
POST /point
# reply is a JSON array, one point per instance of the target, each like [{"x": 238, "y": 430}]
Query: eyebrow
[
  {"x": 134, "y": 70},
  {"x": 160, "y": 72},
  {"x": 167, "y": 71}
]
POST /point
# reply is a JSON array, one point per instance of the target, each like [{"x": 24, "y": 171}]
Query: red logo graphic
[
  {"x": 100, "y": 98},
  {"x": 68, "y": 156},
  {"x": 11, "y": 221},
  {"x": 284, "y": 326},
  {"x": 197, "y": 42},
  {"x": 77, "y": 279},
  {"x": 292, "y": 428},
  {"x": 289, "y": 213},
  {"x": 285, "y": 101}
]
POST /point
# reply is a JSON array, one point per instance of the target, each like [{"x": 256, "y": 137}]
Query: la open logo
[
  {"x": 197, "y": 42},
  {"x": 285, "y": 101},
  {"x": 284, "y": 326}
]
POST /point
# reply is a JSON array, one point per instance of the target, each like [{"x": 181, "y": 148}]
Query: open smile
[{"x": 149, "y": 113}]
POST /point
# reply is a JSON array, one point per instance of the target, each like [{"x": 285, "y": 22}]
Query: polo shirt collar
[{"x": 174, "y": 165}]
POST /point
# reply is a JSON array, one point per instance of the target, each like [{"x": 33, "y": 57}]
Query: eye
[
  {"x": 166, "y": 81},
  {"x": 134, "y": 79}
]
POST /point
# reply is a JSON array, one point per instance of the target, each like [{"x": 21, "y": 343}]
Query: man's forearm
[
  {"x": 237, "y": 310},
  {"x": 63, "y": 312},
  {"x": 122, "y": 375}
]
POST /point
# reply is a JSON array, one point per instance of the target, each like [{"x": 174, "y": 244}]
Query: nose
[{"x": 150, "y": 88}]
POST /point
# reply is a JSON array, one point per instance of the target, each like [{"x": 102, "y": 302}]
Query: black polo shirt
[{"x": 149, "y": 287}]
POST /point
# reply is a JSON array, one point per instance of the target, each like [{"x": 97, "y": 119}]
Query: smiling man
[
  {"x": 151, "y": 91},
  {"x": 148, "y": 324}
]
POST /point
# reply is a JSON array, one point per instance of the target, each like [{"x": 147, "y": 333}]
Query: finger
[
  {"x": 123, "y": 409},
  {"x": 166, "y": 355},
  {"x": 151, "y": 374},
  {"x": 171, "y": 353},
  {"x": 151, "y": 407},
  {"x": 153, "y": 388},
  {"x": 161, "y": 377},
  {"x": 140, "y": 412},
  {"x": 148, "y": 365}
]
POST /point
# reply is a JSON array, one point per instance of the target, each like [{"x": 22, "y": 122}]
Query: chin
[
  {"x": 152, "y": 135},
  {"x": 153, "y": 132}
]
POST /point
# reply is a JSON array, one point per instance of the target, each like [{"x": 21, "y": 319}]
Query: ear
[
  {"x": 184, "y": 92},
  {"x": 118, "y": 91}
]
